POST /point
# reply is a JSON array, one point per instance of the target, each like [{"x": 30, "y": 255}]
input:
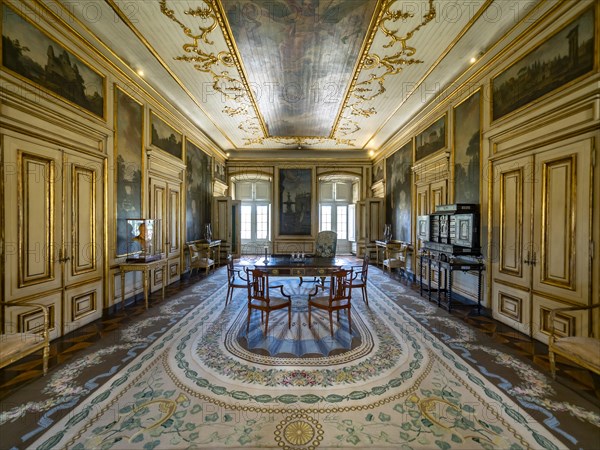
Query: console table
[
  {"x": 145, "y": 268},
  {"x": 448, "y": 267}
]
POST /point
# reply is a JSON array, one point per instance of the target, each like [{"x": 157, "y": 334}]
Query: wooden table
[
  {"x": 145, "y": 268},
  {"x": 285, "y": 266}
]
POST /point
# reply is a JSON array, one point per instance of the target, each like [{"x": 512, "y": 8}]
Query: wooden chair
[
  {"x": 17, "y": 345},
  {"x": 359, "y": 278},
  {"x": 340, "y": 293},
  {"x": 235, "y": 279},
  {"x": 200, "y": 257},
  {"x": 583, "y": 351},
  {"x": 325, "y": 247},
  {"x": 259, "y": 297},
  {"x": 395, "y": 257}
]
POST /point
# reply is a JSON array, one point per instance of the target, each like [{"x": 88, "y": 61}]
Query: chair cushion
[
  {"x": 12, "y": 344},
  {"x": 585, "y": 348}
]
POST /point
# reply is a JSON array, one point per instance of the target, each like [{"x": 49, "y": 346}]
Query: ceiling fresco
[{"x": 299, "y": 74}]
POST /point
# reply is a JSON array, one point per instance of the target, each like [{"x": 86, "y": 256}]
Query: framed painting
[
  {"x": 129, "y": 147},
  {"x": 165, "y": 137},
  {"x": 295, "y": 202},
  {"x": 466, "y": 149},
  {"x": 198, "y": 191},
  {"x": 431, "y": 140},
  {"x": 398, "y": 192},
  {"x": 564, "y": 57},
  {"x": 34, "y": 56},
  {"x": 377, "y": 174},
  {"x": 220, "y": 171}
]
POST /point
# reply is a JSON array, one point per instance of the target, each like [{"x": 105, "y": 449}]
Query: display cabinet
[{"x": 143, "y": 240}]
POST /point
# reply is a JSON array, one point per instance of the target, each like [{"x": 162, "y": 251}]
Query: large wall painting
[
  {"x": 431, "y": 140},
  {"x": 34, "y": 56},
  {"x": 129, "y": 146},
  {"x": 198, "y": 191},
  {"x": 295, "y": 202},
  {"x": 165, "y": 137},
  {"x": 567, "y": 55},
  {"x": 398, "y": 193},
  {"x": 467, "y": 145}
]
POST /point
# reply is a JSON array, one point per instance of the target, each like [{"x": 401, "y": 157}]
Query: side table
[{"x": 145, "y": 268}]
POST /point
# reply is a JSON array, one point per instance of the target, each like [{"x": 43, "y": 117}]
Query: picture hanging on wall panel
[
  {"x": 398, "y": 192},
  {"x": 295, "y": 202},
  {"x": 198, "y": 191},
  {"x": 467, "y": 144},
  {"x": 165, "y": 137},
  {"x": 129, "y": 145},
  {"x": 564, "y": 57},
  {"x": 34, "y": 56},
  {"x": 431, "y": 140}
]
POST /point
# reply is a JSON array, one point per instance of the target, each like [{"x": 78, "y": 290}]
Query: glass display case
[{"x": 143, "y": 240}]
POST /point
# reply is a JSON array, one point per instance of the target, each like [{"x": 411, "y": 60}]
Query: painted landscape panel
[
  {"x": 295, "y": 202},
  {"x": 398, "y": 193}
]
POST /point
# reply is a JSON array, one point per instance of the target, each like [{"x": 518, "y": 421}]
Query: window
[
  {"x": 256, "y": 209},
  {"x": 342, "y": 222},
  {"x": 325, "y": 218}
]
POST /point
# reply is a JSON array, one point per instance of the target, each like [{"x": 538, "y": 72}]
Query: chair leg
[
  {"x": 229, "y": 291},
  {"x": 364, "y": 293},
  {"x": 289, "y": 317},
  {"x": 248, "y": 324},
  {"x": 267, "y": 324},
  {"x": 309, "y": 316},
  {"x": 552, "y": 364},
  {"x": 349, "y": 321},
  {"x": 331, "y": 322}
]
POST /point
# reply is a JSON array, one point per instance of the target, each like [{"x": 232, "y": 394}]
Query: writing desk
[{"x": 145, "y": 268}]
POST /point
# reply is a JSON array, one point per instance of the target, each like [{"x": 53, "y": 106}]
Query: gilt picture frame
[
  {"x": 35, "y": 57},
  {"x": 432, "y": 139},
  {"x": 165, "y": 137},
  {"x": 198, "y": 191},
  {"x": 295, "y": 202},
  {"x": 129, "y": 148},
  {"x": 466, "y": 150},
  {"x": 398, "y": 192},
  {"x": 561, "y": 59}
]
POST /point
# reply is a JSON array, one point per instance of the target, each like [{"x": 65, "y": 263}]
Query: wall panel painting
[
  {"x": 165, "y": 137},
  {"x": 431, "y": 140},
  {"x": 467, "y": 145},
  {"x": 32, "y": 55},
  {"x": 198, "y": 191},
  {"x": 566, "y": 56},
  {"x": 129, "y": 146},
  {"x": 295, "y": 202},
  {"x": 398, "y": 192}
]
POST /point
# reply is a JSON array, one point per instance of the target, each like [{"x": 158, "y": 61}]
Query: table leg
[
  {"x": 122, "y": 289},
  {"x": 479, "y": 292},
  {"x": 449, "y": 290},
  {"x": 145, "y": 281},
  {"x": 439, "y": 283},
  {"x": 164, "y": 281}
]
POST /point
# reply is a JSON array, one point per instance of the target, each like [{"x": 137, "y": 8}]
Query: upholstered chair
[
  {"x": 334, "y": 297},
  {"x": 359, "y": 279},
  {"x": 236, "y": 279},
  {"x": 259, "y": 297},
  {"x": 200, "y": 257}
]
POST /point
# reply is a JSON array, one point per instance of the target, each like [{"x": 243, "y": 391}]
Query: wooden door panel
[
  {"x": 561, "y": 222},
  {"x": 512, "y": 222},
  {"x": 33, "y": 231}
]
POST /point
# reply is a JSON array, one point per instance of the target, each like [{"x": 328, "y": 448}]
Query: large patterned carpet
[{"x": 406, "y": 377}]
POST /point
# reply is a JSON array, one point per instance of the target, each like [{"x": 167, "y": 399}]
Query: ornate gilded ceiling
[{"x": 310, "y": 74}]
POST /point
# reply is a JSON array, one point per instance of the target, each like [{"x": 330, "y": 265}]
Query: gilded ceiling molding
[
  {"x": 302, "y": 141},
  {"x": 371, "y": 66},
  {"x": 230, "y": 86}
]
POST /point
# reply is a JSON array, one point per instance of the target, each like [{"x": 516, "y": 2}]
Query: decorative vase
[
  {"x": 208, "y": 232},
  {"x": 387, "y": 232}
]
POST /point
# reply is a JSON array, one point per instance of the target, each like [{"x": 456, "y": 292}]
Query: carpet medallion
[{"x": 388, "y": 384}]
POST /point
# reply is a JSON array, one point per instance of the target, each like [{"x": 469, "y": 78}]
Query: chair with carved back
[
  {"x": 200, "y": 257},
  {"x": 325, "y": 247},
  {"x": 359, "y": 278},
  {"x": 335, "y": 297},
  {"x": 259, "y": 297},
  {"x": 236, "y": 279},
  {"x": 395, "y": 257}
]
